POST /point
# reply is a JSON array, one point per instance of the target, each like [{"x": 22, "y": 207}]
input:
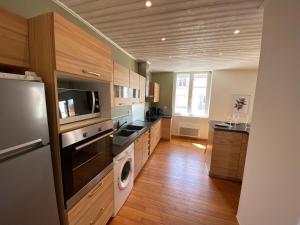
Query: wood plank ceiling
[{"x": 199, "y": 33}]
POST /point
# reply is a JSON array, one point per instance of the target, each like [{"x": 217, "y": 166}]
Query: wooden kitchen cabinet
[
  {"x": 79, "y": 53},
  {"x": 154, "y": 90},
  {"x": 155, "y": 135},
  {"x": 141, "y": 152},
  {"x": 243, "y": 156},
  {"x": 134, "y": 85},
  {"x": 121, "y": 75},
  {"x": 14, "y": 40},
  {"x": 121, "y": 79},
  {"x": 96, "y": 207},
  {"x": 166, "y": 125},
  {"x": 225, "y": 154},
  {"x": 73, "y": 50},
  {"x": 142, "y": 89}
]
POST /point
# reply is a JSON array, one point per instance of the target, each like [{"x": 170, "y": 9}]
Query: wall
[
  {"x": 165, "y": 80},
  {"x": 225, "y": 83},
  {"x": 31, "y": 8},
  {"x": 271, "y": 187}
]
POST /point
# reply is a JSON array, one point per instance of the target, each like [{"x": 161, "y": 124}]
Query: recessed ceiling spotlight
[
  {"x": 148, "y": 3},
  {"x": 220, "y": 53},
  {"x": 236, "y": 31},
  {"x": 163, "y": 39},
  {"x": 170, "y": 57}
]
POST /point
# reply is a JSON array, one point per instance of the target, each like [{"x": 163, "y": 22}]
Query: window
[{"x": 192, "y": 94}]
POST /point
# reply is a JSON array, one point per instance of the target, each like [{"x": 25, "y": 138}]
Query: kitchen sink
[
  {"x": 134, "y": 127},
  {"x": 125, "y": 133}
]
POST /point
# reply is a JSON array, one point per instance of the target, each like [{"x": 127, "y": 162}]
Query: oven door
[{"x": 84, "y": 164}]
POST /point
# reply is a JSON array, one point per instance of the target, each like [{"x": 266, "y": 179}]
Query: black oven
[
  {"x": 86, "y": 157},
  {"x": 76, "y": 104}
]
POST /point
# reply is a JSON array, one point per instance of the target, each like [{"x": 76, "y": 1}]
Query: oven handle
[{"x": 92, "y": 141}]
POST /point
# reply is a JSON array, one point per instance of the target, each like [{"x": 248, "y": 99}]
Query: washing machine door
[{"x": 126, "y": 173}]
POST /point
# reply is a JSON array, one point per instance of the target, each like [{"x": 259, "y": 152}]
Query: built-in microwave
[{"x": 75, "y": 105}]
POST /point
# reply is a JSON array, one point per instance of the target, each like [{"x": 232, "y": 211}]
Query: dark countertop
[
  {"x": 234, "y": 128},
  {"x": 121, "y": 143}
]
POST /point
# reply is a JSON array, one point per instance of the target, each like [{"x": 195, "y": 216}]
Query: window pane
[
  {"x": 199, "y": 99},
  {"x": 182, "y": 93}
]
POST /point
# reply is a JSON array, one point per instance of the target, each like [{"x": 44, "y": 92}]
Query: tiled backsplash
[{"x": 128, "y": 113}]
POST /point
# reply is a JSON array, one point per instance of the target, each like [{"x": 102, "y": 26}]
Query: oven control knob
[
  {"x": 84, "y": 134},
  {"x": 99, "y": 129}
]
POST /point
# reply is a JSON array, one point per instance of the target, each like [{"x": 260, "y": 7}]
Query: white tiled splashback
[{"x": 128, "y": 113}]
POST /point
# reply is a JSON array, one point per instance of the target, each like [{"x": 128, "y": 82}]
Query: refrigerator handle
[{"x": 18, "y": 149}]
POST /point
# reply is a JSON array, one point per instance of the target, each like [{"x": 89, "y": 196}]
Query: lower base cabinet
[
  {"x": 155, "y": 135},
  {"x": 141, "y": 152},
  {"x": 96, "y": 207}
]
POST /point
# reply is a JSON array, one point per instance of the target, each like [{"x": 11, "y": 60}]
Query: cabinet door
[
  {"x": 138, "y": 146},
  {"x": 121, "y": 75},
  {"x": 13, "y": 39},
  {"x": 145, "y": 149},
  {"x": 79, "y": 53},
  {"x": 243, "y": 156},
  {"x": 166, "y": 124},
  {"x": 134, "y": 84},
  {"x": 142, "y": 89},
  {"x": 156, "y": 92}
]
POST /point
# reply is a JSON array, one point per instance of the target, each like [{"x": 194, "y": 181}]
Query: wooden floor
[{"x": 174, "y": 189}]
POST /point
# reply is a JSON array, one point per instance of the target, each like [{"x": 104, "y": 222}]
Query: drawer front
[
  {"x": 79, "y": 53},
  {"x": 94, "y": 204},
  {"x": 228, "y": 138}
]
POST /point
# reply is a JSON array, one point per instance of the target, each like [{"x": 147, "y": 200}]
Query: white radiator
[{"x": 189, "y": 130}]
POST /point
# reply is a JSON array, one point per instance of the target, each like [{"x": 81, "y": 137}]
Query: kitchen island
[{"x": 226, "y": 150}]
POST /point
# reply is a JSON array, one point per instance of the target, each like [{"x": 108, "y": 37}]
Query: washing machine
[{"x": 123, "y": 176}]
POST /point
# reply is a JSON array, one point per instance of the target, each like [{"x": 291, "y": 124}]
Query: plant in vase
[{"x": 239, "y": 105}]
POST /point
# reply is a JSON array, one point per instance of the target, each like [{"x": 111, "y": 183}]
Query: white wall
[
  {"x": 225, "y": 83},
  {"x": 201, "y": 123},
  {"x": 271, "y": 187}
]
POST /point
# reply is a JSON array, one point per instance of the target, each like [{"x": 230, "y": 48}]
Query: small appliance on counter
[
  {"x": 153, "y": 113},
  {"x": 27, "y": 190}
]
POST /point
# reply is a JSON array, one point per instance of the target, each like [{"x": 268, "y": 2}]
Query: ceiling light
[
  {"x": 163, "y": 39},
  {"x": 236, "y": 31},
  {"x": 220, "y": 53},
  {"x": 148, "y": 3},
  {"x": 170, "y": 57}
]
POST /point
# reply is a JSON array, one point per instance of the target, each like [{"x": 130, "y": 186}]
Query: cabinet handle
[
  {"x": 95, "y": 191},
  {"x": 91, "y": 73},
  {"x": 98, "y": 215}
]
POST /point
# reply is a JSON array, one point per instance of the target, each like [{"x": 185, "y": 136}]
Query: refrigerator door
[
  {"x": 23, "y": 115},
  {"x": 27, "y": 194}
]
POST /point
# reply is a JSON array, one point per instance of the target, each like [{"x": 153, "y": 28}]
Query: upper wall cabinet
[
  {"x": 13, "y": 40},
  {"x": 142, "y": 89},
  {"x": 79, "y": 53},
  {"x": 134, "y": 86},
  {"x": 121, "y": 75},
  {"x": 74, "y": 51}
]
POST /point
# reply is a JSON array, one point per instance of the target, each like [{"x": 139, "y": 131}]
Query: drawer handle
[
  {"x": 98, "y": 215},
  {"x": 91, "y": 73},
  {"x": 96, "y": 190}
]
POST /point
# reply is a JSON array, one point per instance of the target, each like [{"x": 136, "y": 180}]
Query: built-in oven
[
  {"x": 77, "y": 104},
  {"x": 86, "y": 157}
]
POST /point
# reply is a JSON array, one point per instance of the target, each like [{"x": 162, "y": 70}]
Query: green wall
[
  {"x": 167, "y": 91},
  {"x": 31, "y": 8}
]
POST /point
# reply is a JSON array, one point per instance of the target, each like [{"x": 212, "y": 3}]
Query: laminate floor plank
[{"x": 174, "y": 188}]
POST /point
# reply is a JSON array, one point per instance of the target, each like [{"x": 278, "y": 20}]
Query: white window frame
[{"x": 191, "y": 80}]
